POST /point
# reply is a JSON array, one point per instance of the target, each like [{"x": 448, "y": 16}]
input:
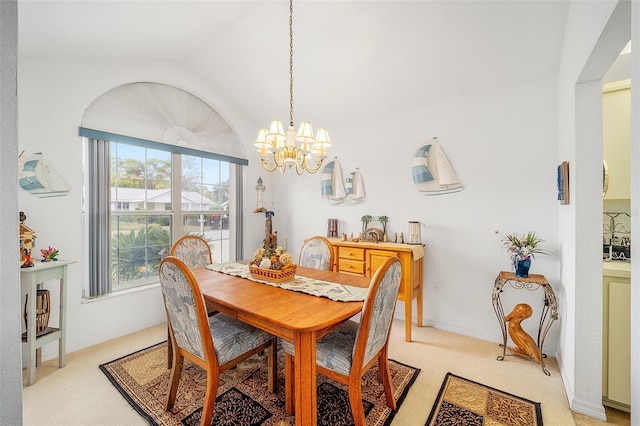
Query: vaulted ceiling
[{"x": 352, "y": 59}]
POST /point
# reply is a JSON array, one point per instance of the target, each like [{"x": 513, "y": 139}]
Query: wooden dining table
[{"x": 298, "y": 317}]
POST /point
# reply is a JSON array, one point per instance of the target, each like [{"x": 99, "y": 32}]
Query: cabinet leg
[{"x": 407, "y": 318}]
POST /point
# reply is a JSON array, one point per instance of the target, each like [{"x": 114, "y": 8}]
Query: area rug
[
  {"x": 465, "y": 402},
  {"x": 243, "y": 399}
]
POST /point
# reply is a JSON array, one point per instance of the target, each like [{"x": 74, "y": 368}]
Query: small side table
[
  {"x": 549, "y": 311},
  {"x": 30, "y": 280}
]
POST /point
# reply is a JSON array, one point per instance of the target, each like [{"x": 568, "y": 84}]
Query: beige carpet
[
  {"x": 243, "y": 399},
  {"x": 80, "y": 394}
]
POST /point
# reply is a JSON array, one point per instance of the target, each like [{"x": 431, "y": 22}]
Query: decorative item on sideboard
[
  {"x": 332, "y": 227},
  {"x": 415, "y": 235}
]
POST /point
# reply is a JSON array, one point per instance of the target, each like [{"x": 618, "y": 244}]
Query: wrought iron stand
[{"x": 549, "y": 311}]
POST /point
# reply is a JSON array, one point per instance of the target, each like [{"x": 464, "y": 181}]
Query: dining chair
[
  {"x": 348, "y": 351},
  {"x": 316, "y": 253},
  {"x": 214, "y": 343},
  {"x": 194, "y": 251}
]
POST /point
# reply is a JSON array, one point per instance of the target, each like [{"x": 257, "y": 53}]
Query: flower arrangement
[
  {"x": 523, "y": 247},
  {"x": 49, "y": 253}
]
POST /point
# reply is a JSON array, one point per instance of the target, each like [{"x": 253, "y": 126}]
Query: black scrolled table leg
[{"x": 497, "y": 307}]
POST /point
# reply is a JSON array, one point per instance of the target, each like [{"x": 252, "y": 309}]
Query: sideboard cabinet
[{"x": 364, "y": 258}]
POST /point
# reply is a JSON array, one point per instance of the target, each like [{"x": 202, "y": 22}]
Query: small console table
[
  {"x": 30, "y": 280},
  {"x": 549, "y": 311}
]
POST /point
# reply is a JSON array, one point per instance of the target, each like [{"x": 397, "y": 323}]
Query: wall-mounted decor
[
  {"x": 432, "y": 172},
  {"x": 563, "y": 182},
  {"x": 332, "y": 185},
  {"x": 354, "y": 187},
  {"x": 337, "y": 190},
  {"x": 36, "y": 177}
]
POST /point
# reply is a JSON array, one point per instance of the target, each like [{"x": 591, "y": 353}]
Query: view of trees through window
[{"x": 145, "y": 214}]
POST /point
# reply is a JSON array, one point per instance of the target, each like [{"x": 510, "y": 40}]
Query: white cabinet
[
  {"x": 616, "y": 352},
  {"x": 616, "y": 133}
]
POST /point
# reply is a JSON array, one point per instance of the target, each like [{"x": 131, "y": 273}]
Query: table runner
[{"x": 333, "y": 291}]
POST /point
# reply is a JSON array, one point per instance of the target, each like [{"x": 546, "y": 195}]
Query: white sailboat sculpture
[
  {"x": 36, "y": 177},
  {"x": 332, "y": 185},
  {"x": 432, "y": 172},
  {"x": 354, "y": 187}
]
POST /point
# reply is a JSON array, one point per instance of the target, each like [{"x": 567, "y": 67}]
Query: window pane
[
  {"x": 138, "y": 243},
  {"x": 212, "y": 227},
  {"x": 140, "y": 178},
  {"x": 205, "y": 184}
]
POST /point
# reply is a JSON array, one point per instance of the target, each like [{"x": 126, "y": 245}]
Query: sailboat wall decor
[
  {"x": 354, "y": 187},
  {"x": 332, "y": 185},
  {"x": 36, "y": 177},
  {"x": 432, "y": 172}
]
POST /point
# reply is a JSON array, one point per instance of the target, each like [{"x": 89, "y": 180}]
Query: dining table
[{"x": 296, "y": 316}]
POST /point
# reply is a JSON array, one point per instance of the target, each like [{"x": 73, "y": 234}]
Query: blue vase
[{"x": 522, "y": 268}]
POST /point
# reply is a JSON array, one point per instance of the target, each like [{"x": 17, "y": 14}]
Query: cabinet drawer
[
  {"x": 351, "y": 253},
  {"x": 351, "y": 266}
]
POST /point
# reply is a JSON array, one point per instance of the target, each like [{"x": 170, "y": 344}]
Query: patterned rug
[
  {"x": 243, "y": 399},
  {"x": 464, "y": 402}
]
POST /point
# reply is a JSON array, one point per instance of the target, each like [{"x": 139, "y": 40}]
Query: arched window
[{"x": 160, "y": 163}]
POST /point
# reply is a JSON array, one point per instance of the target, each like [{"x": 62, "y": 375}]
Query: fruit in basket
[{"x": 265, "y": 264}]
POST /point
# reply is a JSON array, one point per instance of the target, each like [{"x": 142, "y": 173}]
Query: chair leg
[
  {"x": 355, "y": 400},
  {"x": 169, "y": 349},
  {"x": 174, "y": 380},
  {"x": 272, "y": 367},
  {"x": 383, "y": 370},
  {"x": 209, "y": 403},
  {"x": 289, "y": 390}
]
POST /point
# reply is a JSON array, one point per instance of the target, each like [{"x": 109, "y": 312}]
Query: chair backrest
[
  {"x": 192, "y": 250},
  {"x": 185, "y": 308},
  {"x": 316, "y": 253},
  {"x": 378, "y": 310}
]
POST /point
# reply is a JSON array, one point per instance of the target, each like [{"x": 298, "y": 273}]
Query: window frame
[{"x": 93, "y": 249}]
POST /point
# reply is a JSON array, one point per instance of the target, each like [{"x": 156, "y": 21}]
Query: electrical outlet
[{"x": 436, "y": 286}]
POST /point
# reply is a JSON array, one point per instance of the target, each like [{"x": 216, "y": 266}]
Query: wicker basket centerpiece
[
  {"x": 274, "y": 275},
  {"x": 272, "y": 262}
]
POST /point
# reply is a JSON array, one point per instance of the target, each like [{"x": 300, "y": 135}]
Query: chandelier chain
[{"x": 291, "y": 63}]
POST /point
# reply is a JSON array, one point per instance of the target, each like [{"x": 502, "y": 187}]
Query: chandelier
[{"x": 280, "y": 150}]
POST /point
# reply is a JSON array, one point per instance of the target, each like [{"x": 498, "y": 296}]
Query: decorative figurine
[
  {"x": 525, "y": 345},
  {"x": 395, "y": 237},
  {"x": 270, "y": 237},
  {"x": 260, "y": 190},
  {"x": 27, "y": 263},
  {"x": 27, "y": 242},
  {"x": 402, "y": 237}
]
